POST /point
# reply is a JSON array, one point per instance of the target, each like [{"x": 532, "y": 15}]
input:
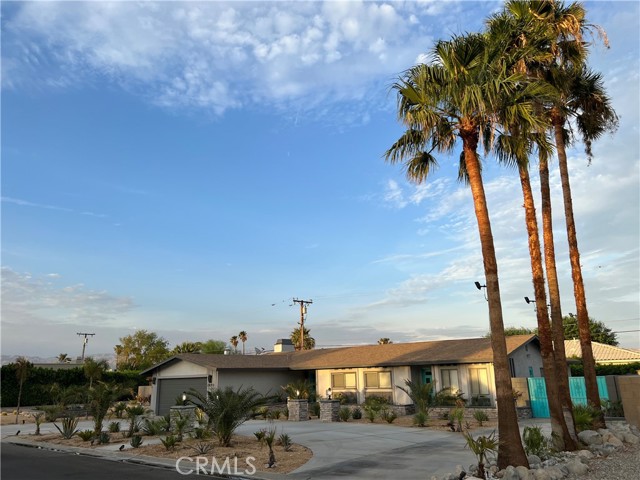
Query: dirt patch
[{"x": 243, "y": 448}]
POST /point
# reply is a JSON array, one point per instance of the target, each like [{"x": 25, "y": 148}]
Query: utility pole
[
  {"x": 85, "y": 341},
  {"x": 303, "y": 311}
]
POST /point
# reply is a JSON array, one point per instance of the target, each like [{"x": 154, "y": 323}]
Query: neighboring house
[
  {"x": 603, "y": 354},
  {"x": 464, "y": 365}
]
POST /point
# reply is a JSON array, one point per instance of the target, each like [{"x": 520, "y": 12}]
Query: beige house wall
[
  {"x": 629, "y": 390},
  {"x": 398, "y": 375}
]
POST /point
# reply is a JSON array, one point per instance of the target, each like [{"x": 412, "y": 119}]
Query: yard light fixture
[
  {"x": 184, "y": 398},
  {"x": 528, "y": 300},
  {"x": 297, "y": 393},
  {"x": 480, "y": 287},
  {"x": 329, "y": 393}
]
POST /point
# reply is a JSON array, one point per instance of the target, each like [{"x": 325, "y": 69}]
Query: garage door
[{"x": 169, "y": 389}]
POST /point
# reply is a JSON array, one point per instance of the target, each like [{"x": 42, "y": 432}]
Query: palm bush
[
  {"x": 456, "y": 415},
  {"x": 132, "y": 412},
  {"x": 482, "y": 447},
  {"x": 300, "y": 389},
  {"x": 227, "y": 409},
  {"x": 285, "y": 440},
  {"x": 584, "y": 417},
  {"x": 180, "y": 423},
  {"x": 69, "y": 427},
  {"x": 388, "y": 415},
  {"x": 356, "y": 413},
  {"x": 100, "y": 399},
  {"x": 119, "y": 409},
  {"x": 420, "y": 393},
  {"x": 114, "y": 427},
  {"x": 344, "y": 413},
  {"x": 152, "y": 427},
  {"x": 274, "y": 414},
  {"x": 169, "y": 442},
  {"x": 37, "y": 418}
]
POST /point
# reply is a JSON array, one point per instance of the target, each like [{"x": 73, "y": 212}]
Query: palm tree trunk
[
  {"x": 19, "y": 399},
  {"x": 593, "y": 397},
  {"x": 557, "y": 330},
  {"x": 562, "y": 438},
  {"x": 510, "y": 451}
]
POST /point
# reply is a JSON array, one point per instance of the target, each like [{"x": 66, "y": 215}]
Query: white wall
[
  {"x": 527, "y": 356},
  {"x": 398, "y": 375}
]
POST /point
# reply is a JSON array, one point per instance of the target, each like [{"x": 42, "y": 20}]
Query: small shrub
[
  {"x": 344, "y": 413},
  {"x": 260, "y": 435},
  {"x": 535, "y": 443},
  {"x": 201, "y": 433},
  {"x": 370, "y": 414},
  {"x": 69, "y": 427},
  {"x": 375, "y": 402},
  {"x": 38, "y": 417},
  {"x": 387, "y": 415},
  {"x": 346, "y": 398},
  {"x": 114, "y": 427},
  {"x": 285, "y": 441},
  {"x": 169, "y": 442},
  {"x": 263, "y": 412},
  {"x": 356, "y": 413},
  {"x": 611, "y": 409},
  {"x": 456, "y": 415},
  {"x": 448, "y": 397},
  {"x": 86, "y": 435},
  {"x": 119, "y": 409},
  {"x": 480, "y": 416},
  {"x": 202, "y": 448},
  {"x": 420, "y": 419},
  {"x": 285, "y": 412},
  {"x": 104, "y": 438},
  {"x": 274, "y": 414},
  {"x": 315, "y": 409},
  {"x": 136, "y": 441}
]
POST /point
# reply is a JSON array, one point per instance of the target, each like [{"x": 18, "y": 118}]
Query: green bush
[
  {"x": 315, "y": 409},
  {"x": 420, "y": 419},
  {"x": 535, "y": 443},
  {"x": 356, "y": 413},
  {"x": 169, "y": 442},
  {"x": 86, "y": 435},
  {"x": 577, "y": 370},
  {"x": 584, "y": 416},
  {"x": 274, "y": 414},
  {"x": 136, "y": 441},
  {"x": 104, "y": 437},
  {"x": 114, "y": 427},
  {"x": 344, "y": 413},
  {"x": 346, "y": 398},
  {"x": 153, "y": 427},
  {"x": 612, "y": 409},
  {"x": 480, "y": 416},
  {"x": 388, "y": 415}
]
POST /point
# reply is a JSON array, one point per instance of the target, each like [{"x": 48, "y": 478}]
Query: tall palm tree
[
  {"x": 519, "y": 31},
  {"x": 63, "y": 358},
  {"x": 234, "y": 341},
  {"x": 187, "y": 347},
  {"x": 461, "y": 94},
  {"x": 23, "y": 368},
  {"x": 243, "y": 338},
  {"x": 384, "y": 341},
  {"x": 309, "y": 341}
]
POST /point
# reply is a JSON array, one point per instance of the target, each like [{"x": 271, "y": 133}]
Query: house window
[
  {"x": 450, "y": 379},
  {"x": 377, "y": 379},
  {"x": 343, "y": 380},
  {"x": 479, "y": 380},
  {"x": 531, "y": 371},
  {"x": 512, "y": 367}
]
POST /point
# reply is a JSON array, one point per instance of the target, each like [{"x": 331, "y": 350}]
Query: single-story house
[
  {"x": 603, "y": 354},
  {"x": 464, "y": 365}
]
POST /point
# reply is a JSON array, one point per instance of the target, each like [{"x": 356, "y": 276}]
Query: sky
[{"x": 191, "y": 168}]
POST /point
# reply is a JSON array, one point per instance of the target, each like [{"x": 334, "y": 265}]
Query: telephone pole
[
  {"x": 303, "y": 311},
  {"x": 84, "y": 342}
]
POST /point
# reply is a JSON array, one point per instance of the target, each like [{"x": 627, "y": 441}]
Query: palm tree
[
  {"x": 187, "y": 347},
  {"x": 384, "y": 341},
  {"x": 63, "y": 358},
  {"x": 100, "y": 399},
  {"x": 234, "y": 341},
  {"x": 520, "y": 32},
  {"x": 93, "y": 369},
  {"x": 309, "y": 341},
  {"x": 458, "y": 96},
  {"x": 243, "y": 338},
  {"x": 23, "y": 368}
]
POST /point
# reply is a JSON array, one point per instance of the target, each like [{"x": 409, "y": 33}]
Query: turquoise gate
[{"x": 538, "y": 393}]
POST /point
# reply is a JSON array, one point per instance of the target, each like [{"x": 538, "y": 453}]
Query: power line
[
  {"x": 85, "y": 341},
  {"x": 303, "y": 311}
]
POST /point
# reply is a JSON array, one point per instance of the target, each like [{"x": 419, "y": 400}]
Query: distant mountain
[{"x": 6, "y": 359}]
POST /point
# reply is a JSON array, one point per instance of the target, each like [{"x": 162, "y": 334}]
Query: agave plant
[{"x": 69, "y": 427}]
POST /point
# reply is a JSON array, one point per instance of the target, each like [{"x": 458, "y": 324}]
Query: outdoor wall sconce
[
  {"x": 297, "y": 393},
  {"x": 210, "y": 378},
  {"x": 329, "y": 393},
  {"x": 184, "y": 398},
  {"x": 153, "y": 380}
]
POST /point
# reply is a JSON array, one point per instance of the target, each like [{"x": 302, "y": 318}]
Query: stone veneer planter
[
  {"x": 298, "y": 409},
  {"x": 329, "y": 410},
  {"x": 188, "y": 411}
]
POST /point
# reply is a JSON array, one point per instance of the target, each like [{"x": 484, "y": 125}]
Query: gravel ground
[{"x": 620, "y": 465}]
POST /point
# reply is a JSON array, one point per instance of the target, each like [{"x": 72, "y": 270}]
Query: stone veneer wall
[
  {"x": 188, "y": 411},
  {"x": 298, "y": 409},
  {"x": 329, "y": 410}
]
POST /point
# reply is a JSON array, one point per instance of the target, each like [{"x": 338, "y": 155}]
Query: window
[
  {"x": 343, "y": 380},
  {"x": 531, "y": 371},
  {"x": 377, "y": 379},
  {"x": 512, "y": 367},
  {"x": 479, "y": 380},
  {"x": 450, "y": 379}
]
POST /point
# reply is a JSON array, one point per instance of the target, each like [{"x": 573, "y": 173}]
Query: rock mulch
[{"x": 609, "y": 454}]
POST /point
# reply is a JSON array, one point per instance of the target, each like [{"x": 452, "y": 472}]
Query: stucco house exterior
[
  {"x": 464, "y": 365},
  {"x": 603, "y": 354}
]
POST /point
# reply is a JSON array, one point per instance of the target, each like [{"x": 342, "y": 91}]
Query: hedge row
[
  {"x": 577, "y": 370},
  {"x": 37, "y": 388}
]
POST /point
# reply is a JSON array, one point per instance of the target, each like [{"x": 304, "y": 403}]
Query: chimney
[{"x": 283, "y": 345}]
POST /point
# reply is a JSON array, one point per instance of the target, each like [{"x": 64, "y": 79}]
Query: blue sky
[{"x": 188, "y": 168}]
